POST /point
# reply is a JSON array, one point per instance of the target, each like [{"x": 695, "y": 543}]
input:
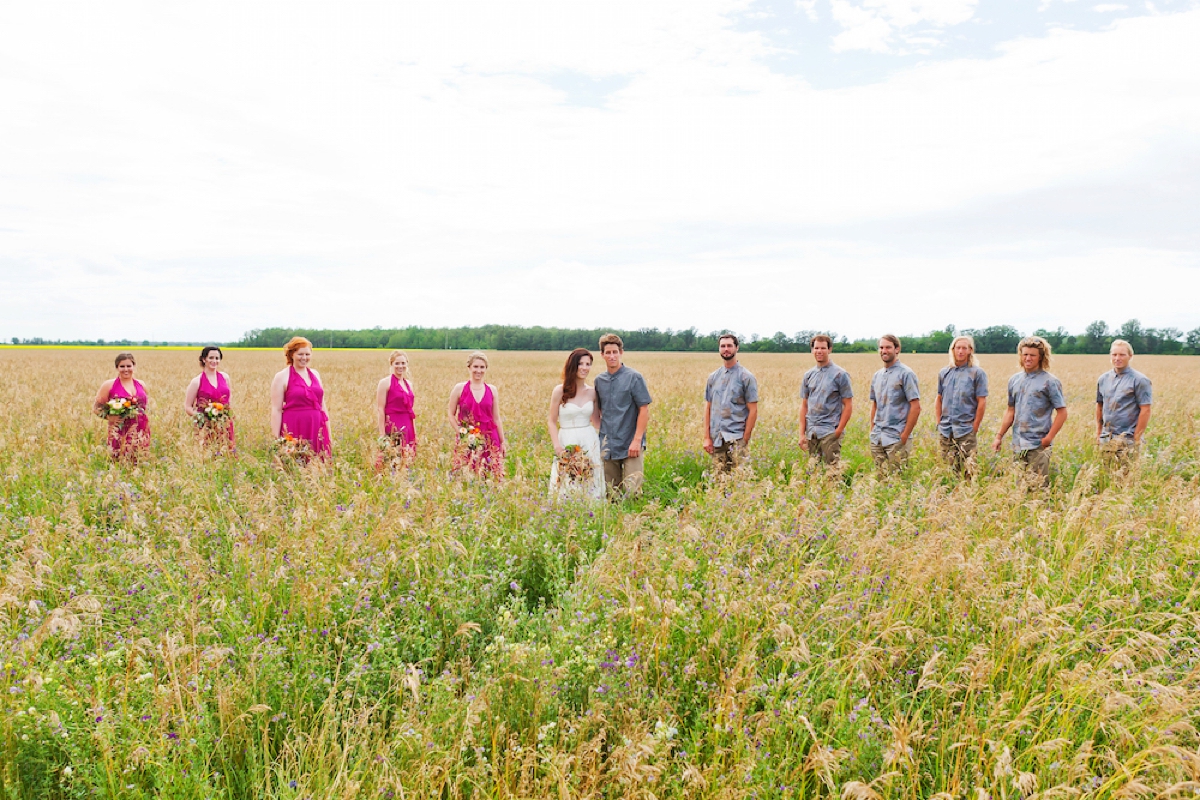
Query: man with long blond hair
[
  {"x": 1123, "y": 398},
  {"x": 1036, "y": 407},
  {"x": 962, "y": 391}
]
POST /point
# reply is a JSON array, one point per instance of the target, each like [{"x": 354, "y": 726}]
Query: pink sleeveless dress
[
  {"x": 488, "y": 459},
  {"x": 130, "y": 437},
  {"x": 398, "y": 413},
  {"x": 207, "y": 393},
  {"x": 303, "y": 416}
]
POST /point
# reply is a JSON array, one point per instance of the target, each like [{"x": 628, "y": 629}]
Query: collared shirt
[
  {"x": 729, "y": 390},
  {"x": 621, "y": 394},
  {"x": 825, "y": 388},
  {"x": 960, "y": 389},
  {"x": 892, "y": 390},
  {"x": 1121, "y": 396},
  {"x": 1034, "y": 396}
]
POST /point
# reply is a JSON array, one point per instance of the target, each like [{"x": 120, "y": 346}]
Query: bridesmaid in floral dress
[
  {"x": 395, "y": 403},
  {"x": 298, "y": 405},
  {"x": 210, "y": 388},
  {"x": 474, "y": 411},
  {"x": 128, "y": 435}
]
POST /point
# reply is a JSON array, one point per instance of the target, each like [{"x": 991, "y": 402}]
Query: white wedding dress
[{"x": 575, "y": 427}]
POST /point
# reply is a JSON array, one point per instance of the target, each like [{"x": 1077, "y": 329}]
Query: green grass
[{"x": 201, "y": 627}]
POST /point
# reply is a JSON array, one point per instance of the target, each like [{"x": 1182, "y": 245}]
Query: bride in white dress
[{"x": 574, "y": 419}]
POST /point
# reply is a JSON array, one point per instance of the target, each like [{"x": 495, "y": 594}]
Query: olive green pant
[
  {"x": 958, "y": 451},
  {"x": 891, "y": 456},
  {"x": 828, "y": 448}
]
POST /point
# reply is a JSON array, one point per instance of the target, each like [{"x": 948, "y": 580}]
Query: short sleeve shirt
[
  {"x": 621, "y": 394},
  {"x": 1121, "y": 396},
  {"x": 825, "y": 388},
  {"x": 892, "y": 390},
  {"x": 1033, "y": 396},
  {"x": 729, "y": 390},
  {"x": 960, "y": 389}
]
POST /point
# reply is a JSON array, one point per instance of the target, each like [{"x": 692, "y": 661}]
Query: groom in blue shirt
[{"x": 624, "y": 413}]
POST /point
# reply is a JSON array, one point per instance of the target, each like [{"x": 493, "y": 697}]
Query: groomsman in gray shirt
[
  {"x": 624, "y": 414},
  {"x": 1033, "y": 395},
  {"x": 961, "y": 401},
  {"x": 730, "y": 407},
  {"x": 895, "y": 407},
  {"x": 1123, "y": 398},
  {"x": 826, "y": 403}
]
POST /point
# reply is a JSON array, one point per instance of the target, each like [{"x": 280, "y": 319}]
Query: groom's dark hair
[{"x": 611, "y": 338}]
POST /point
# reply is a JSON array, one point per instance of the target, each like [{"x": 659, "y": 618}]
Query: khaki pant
[
  {"x": 958, "y": 451},
  {"x": 1119, "y": 452},
  {"x": 892, "y": 456},
  {"x": 828, "y": 448},
  {"x": 728, "y": 455},
  {"x": 1037, "y": 461},
  {"x": 624, "y": 475}
]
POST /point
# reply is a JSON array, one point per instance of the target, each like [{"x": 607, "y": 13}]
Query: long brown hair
[{"x": 570, "y": 379}]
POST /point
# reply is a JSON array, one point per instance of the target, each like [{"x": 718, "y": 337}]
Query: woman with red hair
[{"x": 298, "y": 409}]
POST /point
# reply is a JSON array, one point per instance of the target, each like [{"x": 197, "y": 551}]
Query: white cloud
[
  {"x": 884, "y": 26},
  {"x": 171, "y": 170},
  {"x": 1108, "y": 8}
]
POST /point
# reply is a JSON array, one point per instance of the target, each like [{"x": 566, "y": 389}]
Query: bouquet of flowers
[
  {"x": 212, "y": 415},
  {"x": 470, "y": 435},
  {"x": 123, "y": 408},
  {"x": 393, "y": 452},
  {"x": 574, "y": 464},
  {"x": 292, "y": 450}
]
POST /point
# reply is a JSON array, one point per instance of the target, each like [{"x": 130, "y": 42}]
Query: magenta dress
[
  {"x": 207, "y": 393},
  {"x": 490, "y": 457},
  {"x": 303, "y": 416},
  {"x": 129, "y": 437},
  {"x": 398, "y": 413}
]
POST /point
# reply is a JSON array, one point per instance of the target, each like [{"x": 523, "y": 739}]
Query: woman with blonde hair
[
  {"x": 395, "y": 403},
  {"x": 298, "y": 408},
  {"x": 474, "y": 411}
]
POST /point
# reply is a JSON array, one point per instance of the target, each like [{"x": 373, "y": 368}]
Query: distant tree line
[
  {"x": 38, "y": 340},
  {"x": 1096, "y": 338}
]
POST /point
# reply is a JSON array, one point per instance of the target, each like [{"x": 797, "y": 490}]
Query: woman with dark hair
[
  {"x": 209, "y": 397},
  {"x": 574, "y": 420},
  {"x": 298, "y": 409},
  {"x": 123, "y": 402}
]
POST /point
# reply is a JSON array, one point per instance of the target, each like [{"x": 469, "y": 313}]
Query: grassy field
[{"x": 214, "y": 627}]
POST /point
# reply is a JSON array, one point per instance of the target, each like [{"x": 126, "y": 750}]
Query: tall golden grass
[{"x": 203, "y": 626}]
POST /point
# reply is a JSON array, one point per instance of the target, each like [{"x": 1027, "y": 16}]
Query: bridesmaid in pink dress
[
  {"x": 210, "y": 387},
  {"x": 474, "y": 411},
  {"x": 298, "y": 400},
  {"x": 395, "y": 403},
  {"x": 127, "y": 438}
]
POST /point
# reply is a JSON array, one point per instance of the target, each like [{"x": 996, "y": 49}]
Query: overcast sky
[{"x": 191, "y": 171}]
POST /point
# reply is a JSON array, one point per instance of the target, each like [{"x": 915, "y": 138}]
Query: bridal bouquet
[
  {"x": 123, "y": 408},
  {"x": 470, "y": 435},
  {"x": 574, "y": 464},
  {"x": 212, "y": 415}
]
